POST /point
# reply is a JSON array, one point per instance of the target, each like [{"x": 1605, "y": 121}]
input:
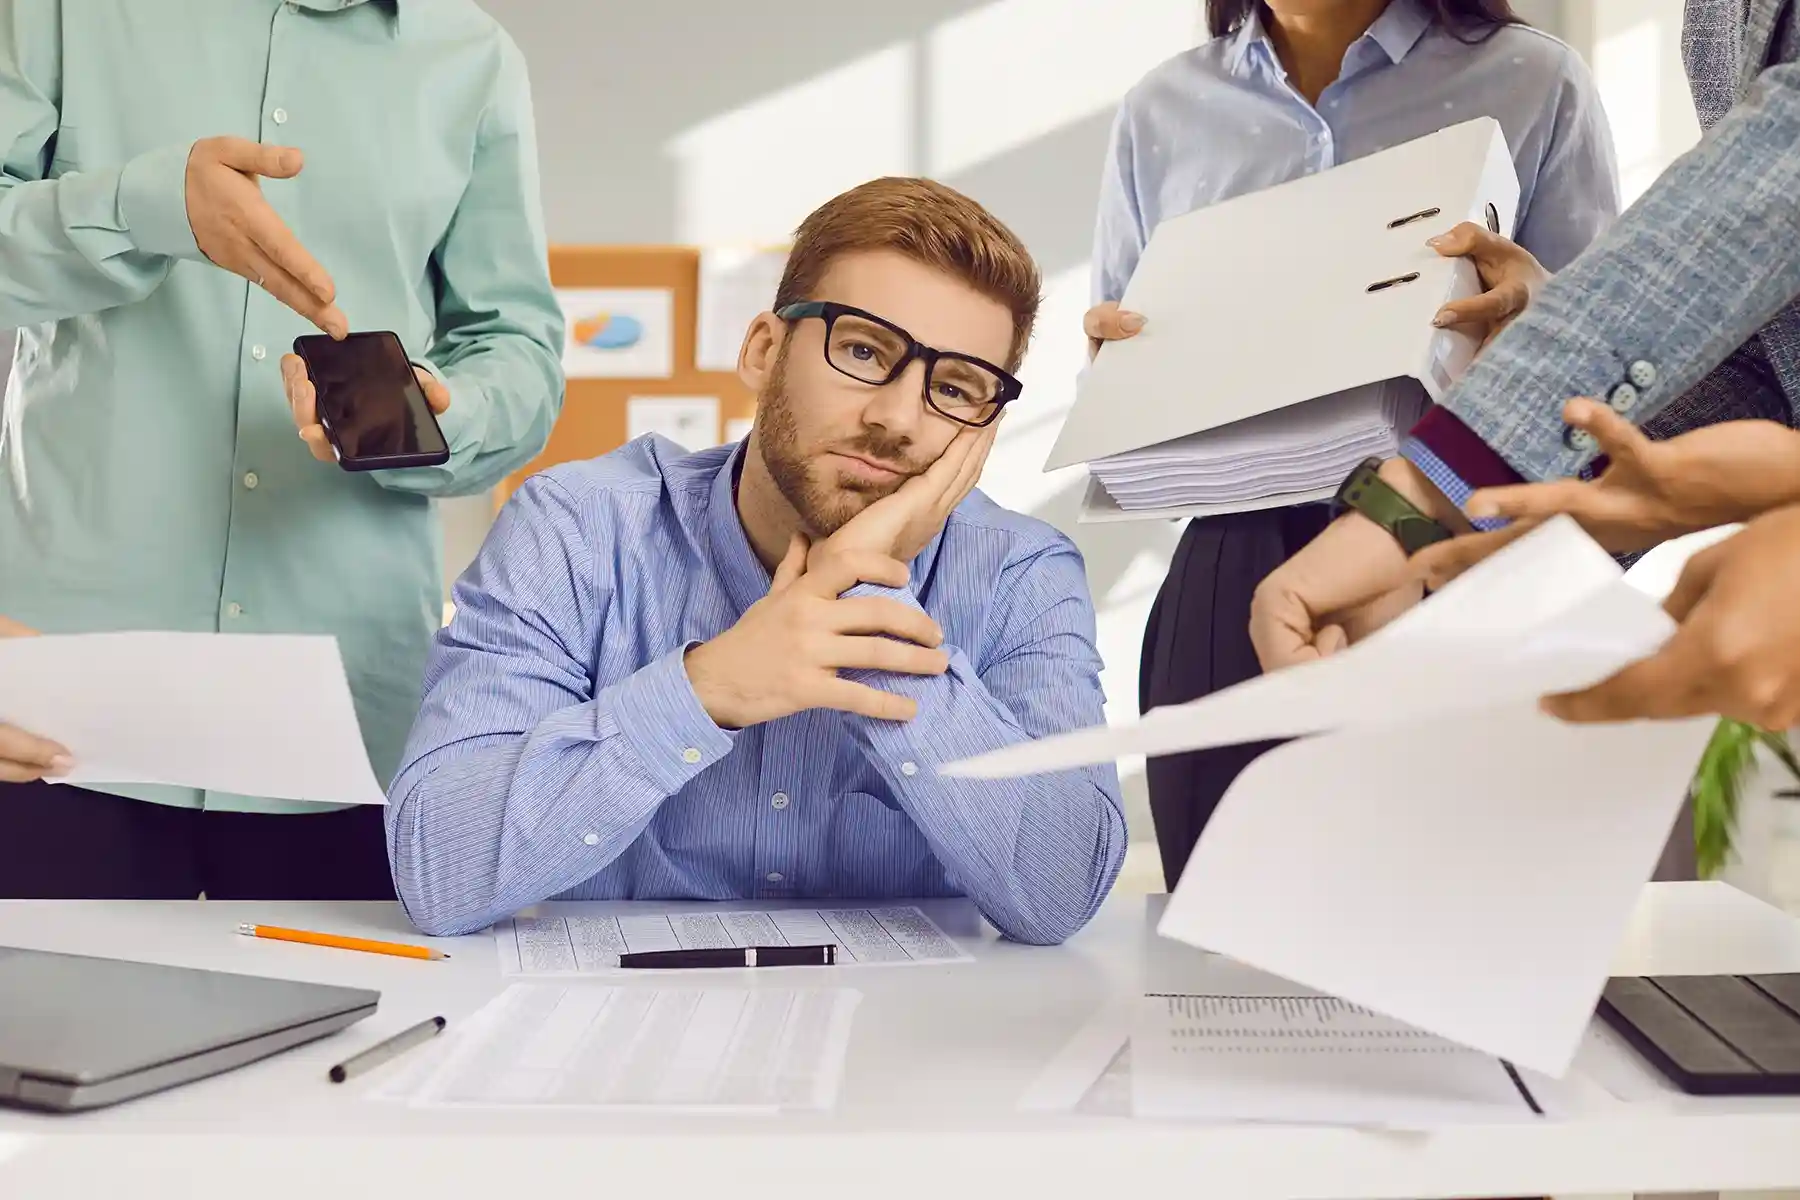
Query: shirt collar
[
  {"x": 746, "y": 580},
  {"x": 393, "y": 8},
  {"x": 1397, "y": 30},
  {"x": 1399, "y": 27}
]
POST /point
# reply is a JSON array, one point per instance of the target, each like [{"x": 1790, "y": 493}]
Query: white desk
[{"x": 938, "y": 1060}]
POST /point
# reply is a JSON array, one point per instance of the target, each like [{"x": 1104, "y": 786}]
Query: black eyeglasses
[{"x": 871, "y": 350}]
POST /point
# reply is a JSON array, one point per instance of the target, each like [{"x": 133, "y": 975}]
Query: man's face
[{"x": 834, "y": 445}]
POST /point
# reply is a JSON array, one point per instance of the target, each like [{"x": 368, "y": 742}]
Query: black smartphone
[{"x": 370, "y": 402}]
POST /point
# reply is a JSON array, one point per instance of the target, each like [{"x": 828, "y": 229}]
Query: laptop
[{"x": 81, "y": 1033}]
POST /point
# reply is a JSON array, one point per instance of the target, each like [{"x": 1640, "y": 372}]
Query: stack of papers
[
  {"x": 1289, "y": 456},
  {"x": 1432, "y": 847},
  {"x": 751, "y": 1050}
]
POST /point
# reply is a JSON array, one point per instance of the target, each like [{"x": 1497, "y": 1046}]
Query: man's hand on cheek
[{"x": 901, "y": 525}]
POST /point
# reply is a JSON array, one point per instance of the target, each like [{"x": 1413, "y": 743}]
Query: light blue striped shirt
[{"x": 562, "y": 754}]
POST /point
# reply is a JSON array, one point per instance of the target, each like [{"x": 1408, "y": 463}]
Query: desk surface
[{"x": 937, "y": 1063}]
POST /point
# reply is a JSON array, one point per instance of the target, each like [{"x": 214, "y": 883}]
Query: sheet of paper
[
  {"x": 1547, "y": 613},
  {"x": 1078, "y": 1068},
  {"x": 1310, "y": 1060},
  {"x": 691, "y": 422},
  {"x": 573, "y": 943},
  {"x": 738, "y": 428},
  {"x": 736, "y": 285},
  {"x": 247, "y": 713},
  {"x": 702, "y": 1049},
  {"x": 1469, "y": 874}
]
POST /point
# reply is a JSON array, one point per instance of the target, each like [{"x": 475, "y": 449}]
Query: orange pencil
[{"x": 278, "y": 934}]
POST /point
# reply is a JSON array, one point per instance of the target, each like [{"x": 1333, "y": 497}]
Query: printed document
[
  {"x": 1311, "y": 1060},
  {"x": 752, "y": 1050},
  {"x": 259, "y": 715},
  {"x": 571, "y": 943}
]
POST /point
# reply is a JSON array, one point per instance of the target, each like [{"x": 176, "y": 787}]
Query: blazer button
[
  {"x": 1579, "y": 440},
  {"x": 1641, "y": 374},
  {"x": 1623, "y": 398}
]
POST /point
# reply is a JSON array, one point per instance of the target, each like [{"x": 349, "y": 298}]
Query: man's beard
[{"x": 824, "y": 505}]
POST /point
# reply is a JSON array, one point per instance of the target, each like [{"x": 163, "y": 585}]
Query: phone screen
[{"x": 370, "y": 402}]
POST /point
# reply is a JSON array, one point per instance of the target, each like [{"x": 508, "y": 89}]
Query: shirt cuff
[
  {"x": 153, "y": 203},
  {"x": 457, "y": 421},
  {"x": 1456, "y": 460},
  {"x": 657, "y": 713}
]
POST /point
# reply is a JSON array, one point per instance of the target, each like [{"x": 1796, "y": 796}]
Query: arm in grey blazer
[{"x": 1687, "y": 275}]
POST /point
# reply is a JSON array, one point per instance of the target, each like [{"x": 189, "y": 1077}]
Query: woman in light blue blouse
[{"x": 1286, "y": 88}]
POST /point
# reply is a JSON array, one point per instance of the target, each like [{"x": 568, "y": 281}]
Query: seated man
[{"x": 729, "y": 675}]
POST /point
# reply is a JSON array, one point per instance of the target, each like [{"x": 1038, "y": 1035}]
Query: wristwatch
[{"x": 1366, "y": 492}]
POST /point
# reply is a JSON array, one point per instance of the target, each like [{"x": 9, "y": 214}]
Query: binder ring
[
  {"x": 1382, "y": 285},
  {"x": 1493, "y": 219},
  {"x": 1397, "y": 222}
]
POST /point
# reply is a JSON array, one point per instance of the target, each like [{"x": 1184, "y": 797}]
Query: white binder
[{"x": 1290, "y": 294}]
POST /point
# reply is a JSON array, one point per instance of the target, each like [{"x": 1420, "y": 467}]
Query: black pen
[
  {"x": 380, "y": 1052},
  {"x": 747, "y": 956}
]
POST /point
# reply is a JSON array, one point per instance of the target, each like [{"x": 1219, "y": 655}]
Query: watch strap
[{"x": 1366, "y": 492}]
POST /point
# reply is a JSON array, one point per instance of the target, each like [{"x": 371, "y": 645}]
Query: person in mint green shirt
[{"x": 182, "y": 194}]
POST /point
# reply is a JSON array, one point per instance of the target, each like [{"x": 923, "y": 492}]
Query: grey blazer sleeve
[{"x": 1707, "y": 256}]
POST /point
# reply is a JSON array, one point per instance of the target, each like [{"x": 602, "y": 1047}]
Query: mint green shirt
[{"x": 150, "y": 473}]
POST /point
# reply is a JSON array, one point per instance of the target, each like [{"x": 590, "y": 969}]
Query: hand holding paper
[
  {"x": 254, "y": 715},
  {"x": 25, "y": 757},
  {"x": 1440, "y": 851}
]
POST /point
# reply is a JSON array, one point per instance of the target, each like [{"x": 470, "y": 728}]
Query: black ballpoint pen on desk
[
  {"x": 381, "y": 1052},
  {"x": 736, "y": 956}
]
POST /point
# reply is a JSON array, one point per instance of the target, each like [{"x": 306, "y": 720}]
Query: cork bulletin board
[{"x": 593, "y": 419}]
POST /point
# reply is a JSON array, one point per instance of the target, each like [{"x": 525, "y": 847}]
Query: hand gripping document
[
  {"x": 1287, "y": 333},
  {"x": 1432, "y": 846}
]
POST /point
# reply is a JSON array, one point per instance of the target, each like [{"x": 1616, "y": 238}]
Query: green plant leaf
[{"x": 1718, "y": 783}]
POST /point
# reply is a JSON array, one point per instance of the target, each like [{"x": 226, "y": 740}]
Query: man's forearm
[
  {"x": 481, "y": 826},
  {"x": 1037, "y": 855}
]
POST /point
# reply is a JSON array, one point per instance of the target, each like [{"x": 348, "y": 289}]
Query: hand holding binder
[{"x": 1316, "y": 288}]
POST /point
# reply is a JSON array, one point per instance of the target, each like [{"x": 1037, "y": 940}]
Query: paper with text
[
  {"x": 1310, "y": 1060},
  {"x": 747, "y": 1050},
  {"x": 258, "y": 715},
  {"x": 1470, "y": 875},
  {"x": 589, "y": 943}
]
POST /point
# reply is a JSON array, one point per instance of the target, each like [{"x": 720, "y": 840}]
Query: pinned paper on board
[
  {"x": 618, "y": 333},
  {"x": 738, "y": 428},
  {"x": 737, "y": 284},
  {"x": 691, "y": 422}
]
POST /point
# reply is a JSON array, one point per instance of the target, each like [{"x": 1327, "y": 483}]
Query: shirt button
[
  {"x": 773, "y": 877},
  {"x": 779, "y": 800},
  {"x": 1641, "y": 374},
  {"x": 909, "y": 769},
  {"x": 234, "y": 609},
  {"x": 279, "y": 116},
  {"x": 258, "y": 353},
  {"x": 1623, "y": 398},
  {"x": 250, "y": 480},
  {"x": 590, "y": 839},
  {"x": 690, "y": 755},
  {"x": 1579, "y": 440}
]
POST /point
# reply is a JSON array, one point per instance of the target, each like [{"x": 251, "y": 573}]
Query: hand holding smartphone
[{"x": 370, "y": 403}]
